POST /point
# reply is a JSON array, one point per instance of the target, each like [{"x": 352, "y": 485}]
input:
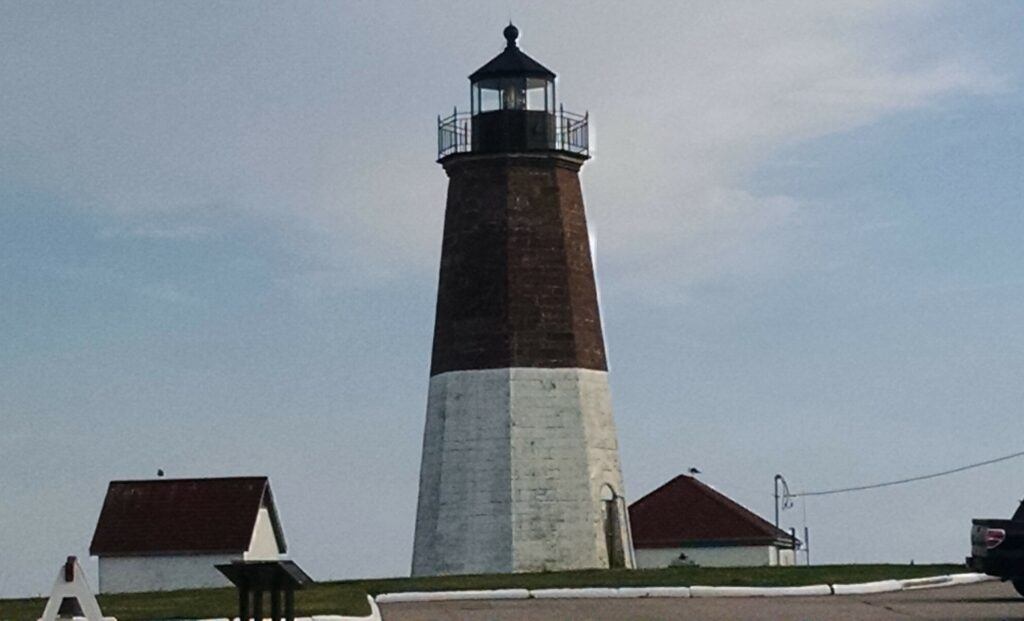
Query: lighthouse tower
[{"x": 520, "y": 467}]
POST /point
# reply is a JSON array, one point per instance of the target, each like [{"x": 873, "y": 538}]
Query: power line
[{"x": 923, "y": 477}]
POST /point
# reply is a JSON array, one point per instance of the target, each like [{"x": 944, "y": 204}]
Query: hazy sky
[{"x": 220, "y": 226}]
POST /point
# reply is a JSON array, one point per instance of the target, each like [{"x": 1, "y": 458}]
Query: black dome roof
[{"x": 512, "y": 62}]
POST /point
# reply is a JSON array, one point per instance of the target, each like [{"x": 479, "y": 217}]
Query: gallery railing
[{"x": 572, "y": 133}]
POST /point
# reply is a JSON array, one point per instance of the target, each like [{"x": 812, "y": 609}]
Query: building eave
[
  {"x": 714, "y": 543},
  {"x": 164, "y": 553}
]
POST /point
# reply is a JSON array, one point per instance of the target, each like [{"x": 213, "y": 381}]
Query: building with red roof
[
  {"x": 167, "y": 534},
  {"x": 685, "y": 522}
]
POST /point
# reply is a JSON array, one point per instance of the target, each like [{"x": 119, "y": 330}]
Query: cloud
[
  {"x": 668, "y": 184},
  {"x": 320, "y": 129},
  {"x": 717, "y": 233}
]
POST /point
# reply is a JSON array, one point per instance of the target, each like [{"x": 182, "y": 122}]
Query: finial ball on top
[{"x": 511, "y": 34}]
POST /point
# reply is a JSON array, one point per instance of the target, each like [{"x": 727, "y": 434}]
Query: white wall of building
[
  {"x": 783, "y": 557},
  {"x": 264, "y": 545},
  {"x": 719, "y": 556},
  {"x": 133, "y": 574},
  {"x": 513, "y": 465}
]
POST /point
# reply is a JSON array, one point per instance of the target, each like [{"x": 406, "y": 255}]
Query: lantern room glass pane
[
  {"x": 513, "y": 94},
  {"x": 535, "y": 99},
  {"x": 486, "y": 96},
  {"x": 490, "y": 99},
  {"x": 537, "y": 96}
]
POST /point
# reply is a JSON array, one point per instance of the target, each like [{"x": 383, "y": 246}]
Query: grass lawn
[{"x": 348, "y": 597}]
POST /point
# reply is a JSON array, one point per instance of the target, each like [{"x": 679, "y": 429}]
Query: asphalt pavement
[{"x": 989, "y": 600}]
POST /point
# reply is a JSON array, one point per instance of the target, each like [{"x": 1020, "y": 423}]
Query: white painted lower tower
[{"x": 520, "y": 472}]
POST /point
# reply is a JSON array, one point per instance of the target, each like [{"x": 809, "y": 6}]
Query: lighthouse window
[
  {"x": 489, "y": 100},
  {"x": 487, "y": 96},
  {"x": 535, "y": 99},
  {"x": 513, "y": 94}
]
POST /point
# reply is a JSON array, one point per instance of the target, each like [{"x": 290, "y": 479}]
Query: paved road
[{"x": 990, "y": 600}]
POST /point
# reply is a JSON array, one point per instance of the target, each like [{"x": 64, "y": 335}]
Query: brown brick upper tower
[
  {"x": 520, "y": 466},
  {"x": 516, "y": 286}
]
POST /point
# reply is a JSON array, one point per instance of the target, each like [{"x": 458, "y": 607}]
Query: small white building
[
  {"x": 685, "y": 522},
  {"x": 167, "y": 534}
]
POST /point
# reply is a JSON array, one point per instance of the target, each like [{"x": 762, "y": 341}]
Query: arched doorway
[{"x": 613, "y": 527}]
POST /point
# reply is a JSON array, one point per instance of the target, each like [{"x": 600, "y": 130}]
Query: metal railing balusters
[{"x": 455, "y": 132}]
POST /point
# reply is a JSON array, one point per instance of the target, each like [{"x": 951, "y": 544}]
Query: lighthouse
[{"x": 520, "y": 467}]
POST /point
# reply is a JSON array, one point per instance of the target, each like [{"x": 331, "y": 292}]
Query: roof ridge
[{"x": 178, "y": 480}]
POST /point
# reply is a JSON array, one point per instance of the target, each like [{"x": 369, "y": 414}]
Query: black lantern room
[
  {"x": 512, "y": 109},
  {"x": 512, "y": 81}
]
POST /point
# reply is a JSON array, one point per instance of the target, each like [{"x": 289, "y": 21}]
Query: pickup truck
[{"x": 997, "y": 548}]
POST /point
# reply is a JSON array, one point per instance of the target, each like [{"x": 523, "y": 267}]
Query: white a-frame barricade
[{"x": 71, "y": 596}]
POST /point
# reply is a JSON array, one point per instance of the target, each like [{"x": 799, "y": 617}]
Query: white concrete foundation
[{"x": 514, "y": 462}]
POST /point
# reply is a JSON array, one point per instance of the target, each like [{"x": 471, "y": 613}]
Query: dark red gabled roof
[
  {"x": 686, "y": 511},
  {"x": 166, "y": 516}
]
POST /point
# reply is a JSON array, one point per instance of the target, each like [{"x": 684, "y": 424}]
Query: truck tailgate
[{"x": 1006, "y": 559}]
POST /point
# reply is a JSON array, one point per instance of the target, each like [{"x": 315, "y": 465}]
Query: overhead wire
[{"x": 934, "y": 475}]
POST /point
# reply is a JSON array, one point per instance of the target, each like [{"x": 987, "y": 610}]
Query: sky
[{"x": 220, "y": 228}]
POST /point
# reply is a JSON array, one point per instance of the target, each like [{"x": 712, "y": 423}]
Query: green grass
[{"x": 348, "y": 597}]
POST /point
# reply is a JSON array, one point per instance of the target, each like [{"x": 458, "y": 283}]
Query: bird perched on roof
[
  {"x": 160, "y": 472},
  {"x": 694, "y": 472}
]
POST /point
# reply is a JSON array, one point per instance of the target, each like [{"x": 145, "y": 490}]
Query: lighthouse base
[{"x": 520, "y": 473}]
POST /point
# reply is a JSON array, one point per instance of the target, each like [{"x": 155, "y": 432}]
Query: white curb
[
  {"x": 970, "y": 578},
  {"x": 447, "y": 596},
  {"x": 664, "y": 591},
  {"x": 915, "y": 584},
  {"x": 709, "y": 591},
  {"x": 420, "y": 596},
  {"x": 639, "y": 592},
  {"x": 866, "y": 588},
  {"x": 814, "y": 590},
  {"x": 632, "y": 592},
  {"x": 584, "y": 593},
  {"x": 726, "y": 591},
  {"x": 811, "y": 590}
]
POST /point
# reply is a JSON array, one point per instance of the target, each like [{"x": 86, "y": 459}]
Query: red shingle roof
[
  {"x": 684, "y": 511},
  {"x": 164, "y": 516}
]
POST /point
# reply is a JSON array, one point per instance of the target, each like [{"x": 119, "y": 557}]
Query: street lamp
[{"x": 786, "y": 502}]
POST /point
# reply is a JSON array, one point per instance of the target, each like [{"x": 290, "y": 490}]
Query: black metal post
[
  {"x": 289, "y": 604},
  {"x": 243, "y": 603},
  {"x": 792, "y": 538},
  {"x": 257, "y": 605},
  {"x": 275, "y": 603},
  {"x": 561, "y": 137}
]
